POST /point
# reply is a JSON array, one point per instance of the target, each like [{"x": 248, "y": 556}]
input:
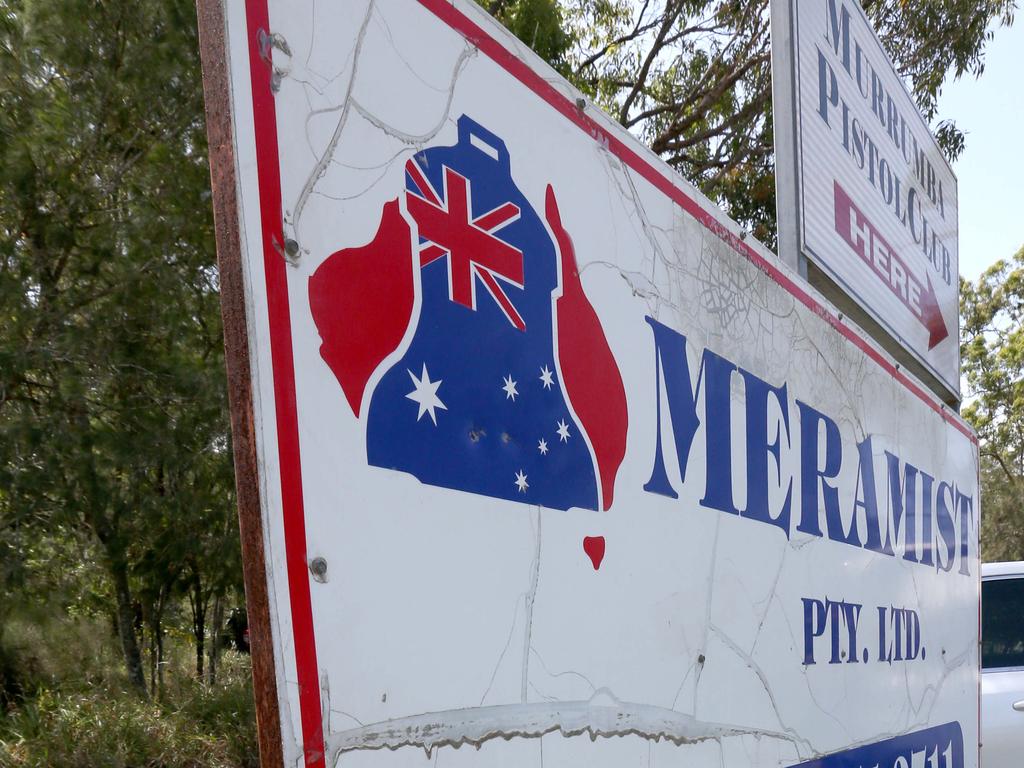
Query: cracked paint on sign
[{"x": 458, "y": 615}]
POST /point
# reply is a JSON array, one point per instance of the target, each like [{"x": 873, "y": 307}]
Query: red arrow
[
  {"x": 931, "y": 316},
  {"x": 867, "y": 242}
]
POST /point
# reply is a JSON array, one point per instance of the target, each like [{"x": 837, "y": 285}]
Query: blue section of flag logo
[{"x": 476, "y": 402}]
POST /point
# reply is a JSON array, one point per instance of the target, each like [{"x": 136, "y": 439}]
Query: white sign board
[
  {"x": 556, "y": 468},
  {"x": 864, "y": 189}
]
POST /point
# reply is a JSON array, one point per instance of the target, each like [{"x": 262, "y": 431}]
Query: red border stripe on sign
[{"x": 282, "y": 360}]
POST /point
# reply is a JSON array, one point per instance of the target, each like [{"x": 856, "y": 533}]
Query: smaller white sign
[{"x": 865, "y": 190}]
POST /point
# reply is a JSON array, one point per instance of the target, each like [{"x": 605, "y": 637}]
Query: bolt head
[{"x": 318, "y": 567}]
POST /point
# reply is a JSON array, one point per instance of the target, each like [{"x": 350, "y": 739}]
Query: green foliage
[
  {"x": 76, "y": 707},
  {"x": 225, "y": 711},
  {"x": 932, "y": 39},
  {"x": 692, "y": 78},
  {"x": 208, "y": 729},
  {"x": 48, "y": 651},
  {"x": 539, "y": 24},
  {"x": 113, "y": 413},
  {"x": 992, "y": 359}
]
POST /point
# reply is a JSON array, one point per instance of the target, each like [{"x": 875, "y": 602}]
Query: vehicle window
[{"x": 1002, "y": 623}]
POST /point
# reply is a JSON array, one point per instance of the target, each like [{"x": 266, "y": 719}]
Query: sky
[{"x": 990, "y": 111}]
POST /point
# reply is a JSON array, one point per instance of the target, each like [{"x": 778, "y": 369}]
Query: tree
[
  {"x": 113, "y": 416},
  {"x": 538, "y": 23},
  {"x": 992, "y": 359},
  {"x": 692, "y": 78}
]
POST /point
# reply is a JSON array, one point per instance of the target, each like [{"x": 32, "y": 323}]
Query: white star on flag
[
  {"x": 563, "y": 431},
  {"x": 545, "y": 377},
  {"x": 521, "y": 483},
  {"x": 425, "y": 395},
  {"x": 510, "y": 388},
  {"x": 542, "y": 446}
]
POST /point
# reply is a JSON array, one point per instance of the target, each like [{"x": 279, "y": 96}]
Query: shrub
[{"x": 197, "y": 726}]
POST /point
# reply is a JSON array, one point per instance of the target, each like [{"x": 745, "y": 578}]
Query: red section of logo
[
  {"x": 588, "y": 369},
  {"x": 862, "y": 236},
  {"x": 361, "y": 299},
  {"x": 594, "y": 547}
]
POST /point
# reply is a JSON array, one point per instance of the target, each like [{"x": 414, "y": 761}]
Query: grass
[{"x": 76, "y": 710}]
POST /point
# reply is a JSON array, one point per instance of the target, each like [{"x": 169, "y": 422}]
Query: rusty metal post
[{"x": 216, "y": 88}]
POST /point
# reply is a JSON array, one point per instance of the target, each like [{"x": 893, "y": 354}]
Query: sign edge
[{"x": 220, "y": 147}]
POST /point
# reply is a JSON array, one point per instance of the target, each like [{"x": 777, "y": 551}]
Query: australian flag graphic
[{"x": 506, "y": 386}]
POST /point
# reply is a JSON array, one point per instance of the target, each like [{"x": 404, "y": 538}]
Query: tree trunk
[
  {"x": 198, "y": 601},
  {"x": 126, "y": 628},
  {"x": 160, "y": 663},
  {"x": 151, "y": 643},
  {"x": 106, "y": 531},
  {"x": 215, "y": 640},
  {"x": 156, "y": 645}
]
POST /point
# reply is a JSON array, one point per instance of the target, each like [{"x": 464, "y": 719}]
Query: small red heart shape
[{"x": 594, "y": 547}]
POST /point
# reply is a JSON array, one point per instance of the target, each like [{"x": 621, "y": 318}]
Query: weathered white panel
[{"x": 520, "y": 513}]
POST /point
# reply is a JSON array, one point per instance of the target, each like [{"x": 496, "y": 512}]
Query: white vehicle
[{"x": 1002, "y": 661}]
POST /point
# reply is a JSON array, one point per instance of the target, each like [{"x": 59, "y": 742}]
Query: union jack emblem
[{"x": 449, "y": 229}]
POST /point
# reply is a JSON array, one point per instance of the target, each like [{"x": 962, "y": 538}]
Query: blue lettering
[
  {"x": 868, "y": 499},
  {"x": 759, "y": 449},
  {"x": 715, "y": 371},
  {"x": 828, "y": 87},
  {"x": 814, "y": 625},
  {"x": 670, "y": 355},
  {"x": 965, "y": 507},
  {"x": 813, "y": 477},
  {"x": 947, "y": 531},
  {"x": 903, "y": 499},
  {"x": 839, "y": 26},
  {"x": 927, "y": 543},
  {"x": 917, "y": 522}
]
